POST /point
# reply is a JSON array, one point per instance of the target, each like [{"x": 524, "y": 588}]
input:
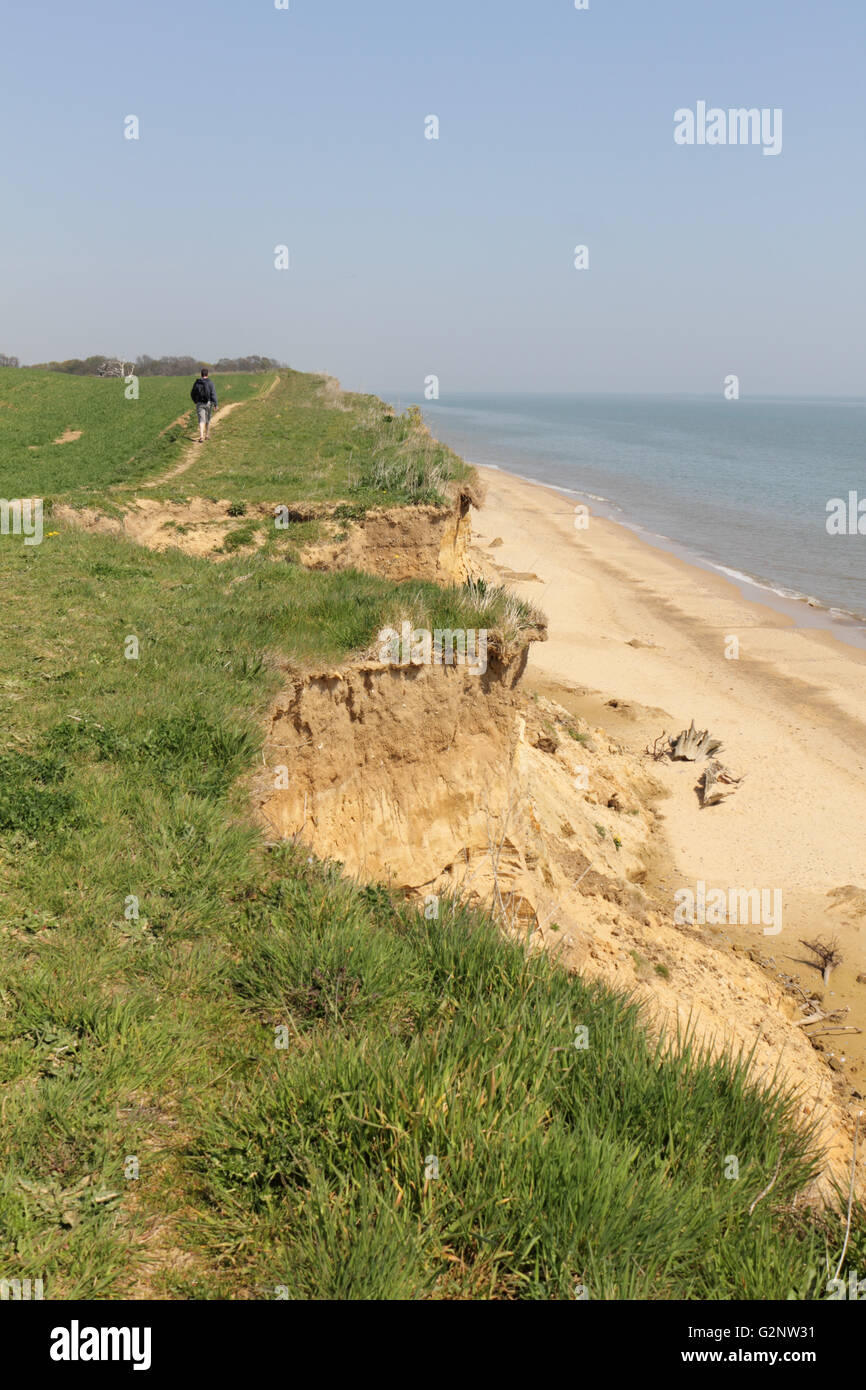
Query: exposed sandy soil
[
  {"x": 68, "y": 437},
  {"x": 402, "y": 543},
  {"x": 436, "y": 780},
  {"x": 399, "y": 543},
  {"x": 198, "y": 527}
]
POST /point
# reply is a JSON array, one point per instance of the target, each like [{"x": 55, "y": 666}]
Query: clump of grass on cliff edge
[
  {"x": 514, "y": 620},
  {"x": 510, "y": 622},
  {"x": 404, "y": 461}
]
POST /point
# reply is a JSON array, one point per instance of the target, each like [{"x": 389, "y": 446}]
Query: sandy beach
[{"x": 637, "y": 644}]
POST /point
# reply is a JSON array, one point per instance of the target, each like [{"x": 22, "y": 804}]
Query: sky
[{"x": 412, "y": 257}]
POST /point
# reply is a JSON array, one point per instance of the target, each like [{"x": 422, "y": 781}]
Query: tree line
[{"x": 100, "y": 365}]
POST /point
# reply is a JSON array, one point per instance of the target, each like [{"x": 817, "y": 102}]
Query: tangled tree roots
[
  {"x": 716, "y": 783},
  {"x": 692, "y": 745}
]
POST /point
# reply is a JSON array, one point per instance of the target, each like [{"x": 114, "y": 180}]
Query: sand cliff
[{"x": 436, "y": 782}]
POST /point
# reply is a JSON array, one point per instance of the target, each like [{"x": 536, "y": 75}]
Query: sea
[{"x": 742, "y": 487}]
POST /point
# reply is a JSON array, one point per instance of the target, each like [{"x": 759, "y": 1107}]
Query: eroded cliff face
[
  {"x": 402, "y": 543},
  {"x": 425, "y": 542},
  {"x": 437, "y": 781},
  {"x": 394, "y": 765}
]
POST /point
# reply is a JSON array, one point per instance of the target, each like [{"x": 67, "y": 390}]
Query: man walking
[{"x": 204, "y": 398}]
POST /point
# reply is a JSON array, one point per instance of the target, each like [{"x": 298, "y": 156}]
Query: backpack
[{"x": 200, "y": 394}]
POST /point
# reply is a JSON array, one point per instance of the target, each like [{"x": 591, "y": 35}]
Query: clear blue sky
[{"x": 409, "y": 256}]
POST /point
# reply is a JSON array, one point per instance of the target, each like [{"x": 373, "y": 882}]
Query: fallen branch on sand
[
  {"x": 691, "y": 745},
  {"x": 834, "y": 1032},
  {"x": 717, "y": 782},
  {"x": 791, "y": 982},
  {"x": 818, "y": 1016}
]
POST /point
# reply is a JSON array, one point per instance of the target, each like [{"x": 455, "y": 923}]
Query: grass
[
  {"x": 414, "y": 1040},
  {"x": 123, "y": 442},
  {"x": 117, "y": 791},
  {"x": 305, "y": 440},
  {"x": 151, "y": 947},
  {"x": 308, "y": 442},
  {"x": 241, "y": 536},
  {"x": 225, "y": 1071}
]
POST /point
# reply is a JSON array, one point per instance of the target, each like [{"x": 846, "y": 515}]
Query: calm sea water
[{"x": 743, "y": 485}]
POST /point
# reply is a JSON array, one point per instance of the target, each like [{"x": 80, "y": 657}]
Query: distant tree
[
  {"x": 167, "y": 366},
  {"x": 90, "y": 366},
  {"x": 8, "y": 361},
  {"x": 79, "y": 366},
  {"x": 247, "y": 364}
]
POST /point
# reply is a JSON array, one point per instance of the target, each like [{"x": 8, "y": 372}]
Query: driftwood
[
  {"x": 835, "y": 1015},
  {"x": 656, "y": 753},
  {"x": 828, "y": 953},
  {"x": 717, "y": 782},
  {"x": 692, "y": 745},
  {"x": 792, "y": 982}
]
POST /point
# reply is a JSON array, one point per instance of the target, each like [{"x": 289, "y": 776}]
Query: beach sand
[{"x": 633, "y": 624}]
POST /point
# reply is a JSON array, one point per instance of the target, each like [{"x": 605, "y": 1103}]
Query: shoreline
[
  {"x": 805, "y": 611},
  {"x": 637, "y": 644}
]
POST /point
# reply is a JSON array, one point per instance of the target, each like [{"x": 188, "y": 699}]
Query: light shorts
[{"x": 204, "y": 412}]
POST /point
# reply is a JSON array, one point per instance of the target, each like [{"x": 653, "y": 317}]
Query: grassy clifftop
[
  {"x": 117, "y": 441},
  {"x": 308, "y": 441},
  {"x": 84, "y": 440},
  {"x": 224, "y": 1068}
]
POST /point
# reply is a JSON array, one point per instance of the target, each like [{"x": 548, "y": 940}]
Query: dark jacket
[{"x": 211, "y": 389}]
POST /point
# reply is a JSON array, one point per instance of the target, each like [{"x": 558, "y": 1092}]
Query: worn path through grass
[{"x": 191, "y": 454}]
